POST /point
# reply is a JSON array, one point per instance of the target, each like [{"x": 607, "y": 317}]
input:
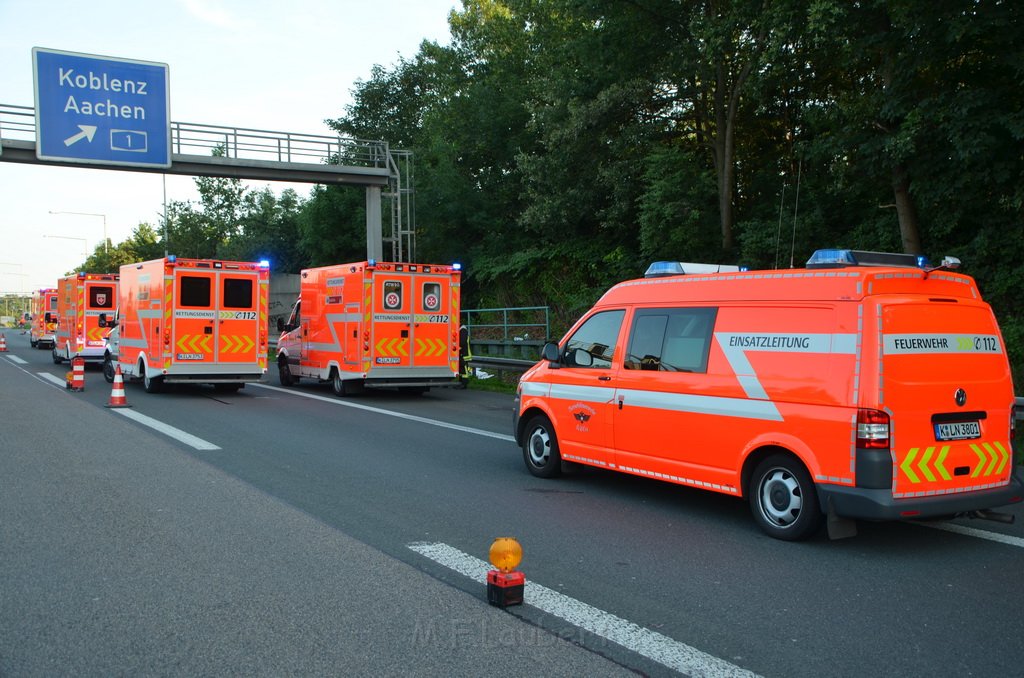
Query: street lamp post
[
  {"x": 85, "y": 243},
  {"x": 106, "y": 246}
]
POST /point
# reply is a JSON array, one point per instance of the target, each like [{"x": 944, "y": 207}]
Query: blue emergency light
[
  {"x": 264, "y": 263},
  {"x": 456, "y": 266},
  {"x": 841, "y": 258}
]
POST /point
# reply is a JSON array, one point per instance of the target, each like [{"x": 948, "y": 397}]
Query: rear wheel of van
[
  {"x": 152, "y": 384},
  {"x": 57, "y": 358},
  {"x": 540, "y": 448},
  {"x": 783, "y": 498}
]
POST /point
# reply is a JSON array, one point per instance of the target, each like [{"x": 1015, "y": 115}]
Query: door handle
[{"x": 604, "y": 378}]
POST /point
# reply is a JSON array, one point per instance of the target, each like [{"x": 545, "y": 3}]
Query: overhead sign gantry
[{"x": 101, "y": 110}]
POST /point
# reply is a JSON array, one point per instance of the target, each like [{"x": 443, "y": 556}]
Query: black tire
[
  {"x": 57, "y": 359},
  {"x": 152, "y": 384},
  {"x": 284, "y": 373},
  {"x": 540, "y": 448},
  {"x": 783, "y": 499},
  {"x": 33, "y": 343},
  {"x": 108, "y": 369},
  {"x": 338, "y": 384}
]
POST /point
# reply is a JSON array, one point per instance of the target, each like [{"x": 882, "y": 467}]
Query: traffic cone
[
  {"x": 77, "y": 381},
  {"x": 117, "y": 397},
  {"x": 3, "y": 343}
]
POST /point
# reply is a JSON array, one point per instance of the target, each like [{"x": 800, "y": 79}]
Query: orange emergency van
[
  {"x": 81, "y": 298},
  {"x": 373, "y": 324},
  {"x": 43, "y": 334},
  {"x": 864, "y": 387},
  {"x": 192, "y": 321}
]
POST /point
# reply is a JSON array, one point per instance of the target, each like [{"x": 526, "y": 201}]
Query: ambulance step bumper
[
  {"x": 868, "y": 504},
  {"x": 211, "y": 378}
]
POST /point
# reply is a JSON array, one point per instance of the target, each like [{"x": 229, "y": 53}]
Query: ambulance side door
[
  {"x": 581, "y": 396},
  {"x": 662, "y": 401}
]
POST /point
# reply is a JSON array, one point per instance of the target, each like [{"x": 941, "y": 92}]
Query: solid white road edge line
[
  {"x": 46, "y": 376},
  {"x": 167, "y": 429},
  {"x": 651, "y": 644},
  {"x": 400, "y": 415},
  {"x": 17, "y": 360},
  {"x": 974, "y": 532}
]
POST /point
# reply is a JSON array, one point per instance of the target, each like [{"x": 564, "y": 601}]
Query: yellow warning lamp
[
  {"x": 505, "y": 585},
  {"x": 506, "y": 554}
]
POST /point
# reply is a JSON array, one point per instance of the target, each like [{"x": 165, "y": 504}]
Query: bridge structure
[{"x": 264, "y": 155}]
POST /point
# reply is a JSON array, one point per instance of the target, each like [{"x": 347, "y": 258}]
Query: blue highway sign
[{"x": 101, "y": 110}]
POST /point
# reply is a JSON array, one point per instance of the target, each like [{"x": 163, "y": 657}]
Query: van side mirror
[
  {"x": 581, "y": 357},
  {"x": 102, "y": 322},
  {"x": 48, "y": 317},
  {"x": 280, "y": 324},
  {"x": 550, "y": 353}
]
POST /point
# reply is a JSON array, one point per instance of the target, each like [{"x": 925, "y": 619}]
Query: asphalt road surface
[{"x": 287, "y": 531}]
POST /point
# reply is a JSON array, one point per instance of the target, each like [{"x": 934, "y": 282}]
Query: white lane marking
[
  {"x": 51, "y": 378},
  {"x": 17, "y": 360},
  {"x": 167, "y": 429},
  {"x": 400, "y": 415},
  {"x": 651, "y": 644},
  {"x": 980, "y": 534}
]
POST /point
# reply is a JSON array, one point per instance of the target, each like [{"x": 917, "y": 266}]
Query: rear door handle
[{"x": 604, "y": 378}]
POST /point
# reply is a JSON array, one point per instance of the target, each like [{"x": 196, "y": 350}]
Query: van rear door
[
  {"x": 237, "y": 317},
  {"x": 945, "y": 380},
  {"x": 100, "y": 297}
]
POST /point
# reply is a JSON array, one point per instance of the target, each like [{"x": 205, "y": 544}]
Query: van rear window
[
  {"x": 195, "y": 291},
  {"x": 101, "y": 296},
  {"x": 238, "y": 293}
]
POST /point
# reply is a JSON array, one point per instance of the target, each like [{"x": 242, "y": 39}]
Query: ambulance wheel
[
  {"x": 540, "y": 448},
  {"x": 284, "y": 373},
  {"x": 57, "y": 358},
  {"x": 783, "y": 498},
  {"x": 108, "y": 369},
  {"x": 152, "y": 384},
  {"x": 338, "y": 384},
  {"x": 33, "y": 344}
]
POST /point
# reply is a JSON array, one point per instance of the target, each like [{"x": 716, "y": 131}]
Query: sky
[{"x": 257, "y": 64}]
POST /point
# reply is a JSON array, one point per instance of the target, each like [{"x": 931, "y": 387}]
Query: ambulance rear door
[
  {"x": 946, "y": 383},
  {"x": 435, "y": 314},
  {"x": 237, "y": 332},
  {"x": 100, "y": 297},
  {"x": 392, "y": 304}
]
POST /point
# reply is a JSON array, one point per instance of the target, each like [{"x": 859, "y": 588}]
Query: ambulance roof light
[
  {"x": 264, "y": 263},
  {"x": 456, "y": 266},
  {"x": 660, "y": 269},
  {"x": 840, "y": 258},
  {"x": 171, "y": 258},
  {"x": 372, "y": 263}
]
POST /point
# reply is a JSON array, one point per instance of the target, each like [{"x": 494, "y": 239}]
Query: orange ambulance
[
  {"x": 81, "y": 298},
  {"x": 372, "y": 324},
  {"x": 192, "y": 321},
  {"x": 868, "y": 386},
  {"x": 43, "y": 334}
]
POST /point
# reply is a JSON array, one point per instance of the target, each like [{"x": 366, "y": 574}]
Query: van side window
[
  {"x": 671, "y": 339},
  {"x": 595, "y": 337}
]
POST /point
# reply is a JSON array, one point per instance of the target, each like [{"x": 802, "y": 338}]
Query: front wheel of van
[
  {"x": 108, "y": 369},
  {"x": 783, "y": 499},
  {"x": 540, "y": 448},
  {"x": 284, "y": 373}
]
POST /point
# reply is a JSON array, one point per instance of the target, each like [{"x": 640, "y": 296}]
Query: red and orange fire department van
[
  {"x": 865, "y": 387},
  {"x": 192, "y": 321},
  {"x": 43, "y": 334},
  {"x": 374, "y": 324},
  {"x": 81, "y": 298}
]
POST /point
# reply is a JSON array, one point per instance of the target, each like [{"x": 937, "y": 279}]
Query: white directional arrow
[{"x": 88, "y": 132}]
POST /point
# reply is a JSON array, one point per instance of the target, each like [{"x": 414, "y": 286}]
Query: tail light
[{"x": 872, "y": 429}]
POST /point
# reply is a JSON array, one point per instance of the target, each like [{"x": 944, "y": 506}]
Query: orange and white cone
[
  {"x": 117, "y": 397},
  {"x": 77, "y": 382},
  {"x": 3, "y": 343}
]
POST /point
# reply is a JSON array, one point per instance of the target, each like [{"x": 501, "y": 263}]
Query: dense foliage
[{"x": 560, "y": 145}]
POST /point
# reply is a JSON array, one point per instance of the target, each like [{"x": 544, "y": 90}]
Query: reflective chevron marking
[
  {"x": 923, "y": 467},
  {"x": 987, "y": 455},
  {"x": 393, "y": 347},
  {"x": 429, "y": 347}
]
